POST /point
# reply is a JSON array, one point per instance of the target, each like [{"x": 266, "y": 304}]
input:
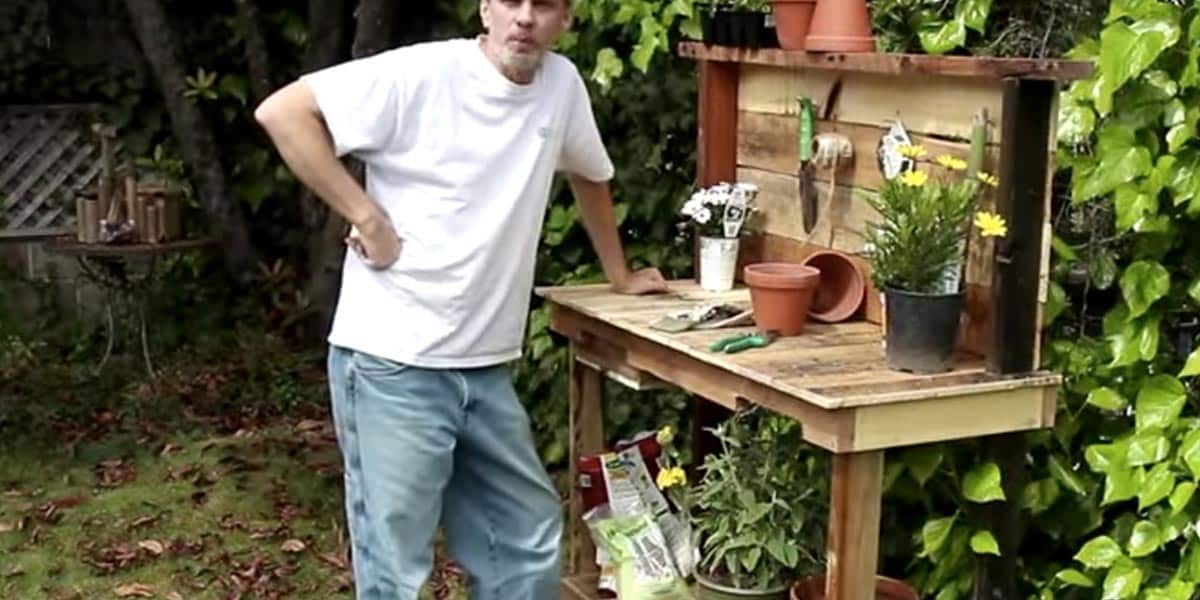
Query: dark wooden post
[{"x": 1025, "y": 171}]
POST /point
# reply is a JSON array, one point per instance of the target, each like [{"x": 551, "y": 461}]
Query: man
[{"x": 461, "y": 140}]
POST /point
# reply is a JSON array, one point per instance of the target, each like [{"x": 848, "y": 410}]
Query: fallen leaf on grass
[
  {"x": 154, "y": 547},
  {"x": 10, "y": 526},
  {"x": 174, "y": 596},
  {"x": 168, "y": 449},
  {"x": 69, "y": 501},
  {"x": 144, "y": 521},
  {"x": 294, "y": 546},
  {"x": 333, "y": 560},
  {"x": 15, "y": 571},
  {"x": 132, "y": 590}
]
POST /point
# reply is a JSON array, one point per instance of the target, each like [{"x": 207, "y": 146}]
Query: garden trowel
[{"x": 804, "y": 173}]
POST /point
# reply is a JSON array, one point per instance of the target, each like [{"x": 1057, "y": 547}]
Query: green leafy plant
[
  {"x": 759, "y": 509},
  {"x": 923, "y": 225},
  {"x": 651, "y": 22},
  {"x": 935, "y": 26}
]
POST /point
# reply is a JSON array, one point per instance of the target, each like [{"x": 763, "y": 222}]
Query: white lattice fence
[{"x": 48, "y": 154}]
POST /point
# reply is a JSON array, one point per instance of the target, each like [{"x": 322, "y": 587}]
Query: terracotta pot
[
  {"x": 886, "y": 588},
  {"x": 843, "y": 288},
  {"x": 841, "y": 26},
  {"x": 792, "y": 18},
  {"x": 781, "y": 294}
]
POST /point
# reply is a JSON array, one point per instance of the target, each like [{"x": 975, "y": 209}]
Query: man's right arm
[{"x": 293, "y": 121}]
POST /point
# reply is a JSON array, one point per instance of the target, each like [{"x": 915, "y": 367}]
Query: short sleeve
[
  {"x": 583, "y": 151},
  {"x": 361, "y": 101}
]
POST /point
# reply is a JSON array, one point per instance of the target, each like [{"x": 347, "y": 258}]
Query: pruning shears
[{"x": 743, "y": 341}]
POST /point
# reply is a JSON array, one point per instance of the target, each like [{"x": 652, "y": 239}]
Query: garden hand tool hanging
[{"x": 804, "y": 172}]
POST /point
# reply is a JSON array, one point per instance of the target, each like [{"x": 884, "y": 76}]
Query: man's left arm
[{"x": 600, "y": 221}]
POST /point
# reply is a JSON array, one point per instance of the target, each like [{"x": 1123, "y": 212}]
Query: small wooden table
[
  {"x": 832, "y": 379},
  {"x": 110, "y": 267}
]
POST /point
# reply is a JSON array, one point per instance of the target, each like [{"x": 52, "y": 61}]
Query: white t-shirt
[{"x": 462, "y": 160}]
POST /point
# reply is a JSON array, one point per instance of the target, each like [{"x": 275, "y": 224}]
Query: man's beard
[{"x": 521, "y": 62}]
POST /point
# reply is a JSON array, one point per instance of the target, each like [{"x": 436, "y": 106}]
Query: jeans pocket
[{"x": 369, "y": 365}]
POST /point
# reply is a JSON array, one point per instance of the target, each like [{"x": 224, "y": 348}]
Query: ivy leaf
[
  {"x": 1189, "y": 450},
  {"x": 934, "y": 534},
  {"x": 1158, "y": 485},
  {"x": 923, "y": 461},
  {"x": 983, "y": 542},
  {"x": 609, "y": 68},
  {"x": 1179, "y": 135},
  {"x": 1181, "y": 496},
  {"x": 1123, "y": 581},
  {"x": 1039, "y": 496},
  {"x": 1066, "y": 476},
  {"x": 1148, "y": 332},
  {"x": 1106, "y": 398},
  {"x": 1121, "y": 485},
  {"x": 1103, "y": 458},
  {"x": 973, "y": 13},
  {"x": 1191, "y": 367},
  {"x": 1142, "y": 284},
  {"x": 1132, "y": 204},
  {"x": 1163, "y": 171},
  {"x": 1062, "y": 249},
  {"x": 1139, "y": 9},
  {"x": 1073, "y": 577},
  {"x": 1176, "y": 590},
  {"x": 1128, "y": 50},
  {"x": 1076, "y": 122},
  {"x": 941, "y": 37},
  {"x": 1056, "y": 303},
  {"x": 1145, "y": 539},
  {"x": 1099, "y": 553},
  {"x": 1147, "y": 448},
  {"x": 1102, "y": 267},
  {"x": 1159, "y": 402},
  {"x": 1194, "y": 290},
  {"x": 982, "y": 484},
  {"x": 1121, "y": 160},
  {"x": 1185, "y": 180}
]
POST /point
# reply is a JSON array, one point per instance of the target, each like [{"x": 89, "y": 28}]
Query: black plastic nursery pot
[{"x": 921, "y": 330}]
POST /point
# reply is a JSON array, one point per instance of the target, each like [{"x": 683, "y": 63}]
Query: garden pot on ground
[
  {"x": 710, "y": 590},
  {"x": 843, "y": 287},
  {"x": 718, "y": 263},
  {"x": 921, "y": 330},
  {"x": 780, "y": 294},
  {"x": 886, "y": 588},
  {"x": 840, "y": 26},
  {"x": 792, "y": 19}
]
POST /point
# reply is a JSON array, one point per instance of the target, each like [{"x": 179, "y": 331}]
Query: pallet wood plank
[
  {"x": 855, "y": 508},
  {"x": 982, "y": 67},
  {"x": 936, "y": 106},
  {"x": 587, "y": 437}
]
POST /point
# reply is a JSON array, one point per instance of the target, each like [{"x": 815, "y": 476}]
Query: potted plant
[
  {"x": 758, "y": 511},
  {"x": 740, "y": 23},
  {"x": 917, "y": 251},
  {"x": 718, "y": 215}
]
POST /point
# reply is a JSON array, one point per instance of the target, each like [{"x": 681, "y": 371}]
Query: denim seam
[{"x": 355, "y": 451}]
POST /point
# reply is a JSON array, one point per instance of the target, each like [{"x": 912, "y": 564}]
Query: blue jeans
[{"x": 423, "y": 446}]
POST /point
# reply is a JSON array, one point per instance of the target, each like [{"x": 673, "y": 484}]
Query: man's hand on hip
[
  {"x": 643, "y": 281},
  {"x": 375, "y": 241}
]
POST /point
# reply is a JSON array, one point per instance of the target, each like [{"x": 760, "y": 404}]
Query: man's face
[{"x": 520, "y": 32}]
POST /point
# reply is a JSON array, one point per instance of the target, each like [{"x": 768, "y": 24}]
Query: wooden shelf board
[{"x": 987, "y": 67}]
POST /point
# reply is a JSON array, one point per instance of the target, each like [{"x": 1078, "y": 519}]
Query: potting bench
[{"x": 833, "y": 378}]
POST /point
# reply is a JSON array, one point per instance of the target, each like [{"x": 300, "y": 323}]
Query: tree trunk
[
  {"x": 373, "y": 33},
  {"x": 326, "y": 22},
  {"x": 257, "y": 57},
  {"x": 196, "y": 139}
]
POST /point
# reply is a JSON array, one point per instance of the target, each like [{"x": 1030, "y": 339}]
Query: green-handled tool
[
  {"x": 743, "y": 341},
  {"x": 804, "y": 173}
]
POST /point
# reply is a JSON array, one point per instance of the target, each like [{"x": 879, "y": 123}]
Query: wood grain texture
[
  {"x": 717, "y": 147},
  {"x": 936, "y": 106},
  {"x": 586, "y": 422},
  {"x": 852, "y": 554},
  {"x": 909, "y": 65}
]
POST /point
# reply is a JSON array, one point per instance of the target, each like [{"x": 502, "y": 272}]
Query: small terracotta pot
[
  {"x": 886, "y": 588},
  {"x": 840, "y": 26},
  {"x": 781, "y": 294},
  {"x": 843, "y": 288},
  {"x": 792, "y": 18}
]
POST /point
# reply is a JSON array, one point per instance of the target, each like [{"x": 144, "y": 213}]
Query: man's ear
[{"x": 485, "y": 14}]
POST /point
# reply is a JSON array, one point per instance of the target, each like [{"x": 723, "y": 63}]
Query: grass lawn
[{"x": 164, "y": 494}]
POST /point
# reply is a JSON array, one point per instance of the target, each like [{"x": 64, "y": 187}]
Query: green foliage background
[{"x": 1110, "y": 508}]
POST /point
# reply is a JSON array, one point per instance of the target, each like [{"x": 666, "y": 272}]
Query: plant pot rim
[
  {"x": 781, "y": 275},
  {"x": 894, "y": 290},
  {"x": 895, "y": 585},
  {"x": 710, "y": 584}
]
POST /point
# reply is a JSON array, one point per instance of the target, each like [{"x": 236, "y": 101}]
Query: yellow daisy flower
[
  {"x": 665, "y": 435},
  {"x": 671, "y": 477},
  {"x": 914, "y": 178},
  {"x": 952, "y": 163},
  {"x": 911, "y": 151},
  {"x": 990, "y": 224},
  {"x": 989, "y": 179}
]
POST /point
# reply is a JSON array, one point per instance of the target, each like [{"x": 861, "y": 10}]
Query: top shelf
[{"x": 987, "y": 67}]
